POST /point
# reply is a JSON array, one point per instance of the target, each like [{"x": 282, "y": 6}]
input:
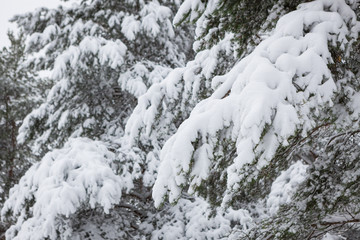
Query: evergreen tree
[
  {"x": 257, "y": 137},
  {"x": 19, "y": 94},
  {"x": 18, "y": 97},
  {"x": 103, "y": 55},
  {"x": 243, "y": 148},
  {"x": 248, "y": 21}
]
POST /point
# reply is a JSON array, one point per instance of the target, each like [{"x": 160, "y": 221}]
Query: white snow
[
  {"x": 180, "y": 86},
  {"x": 285, "y": 185},
  {"x": 329, "y": 236},
  {"x": 130, "y": 27},
  {"x": 263, "y": 92},
  {"x": 191, "y": 220},
  {"x": 78, "y": 174}
]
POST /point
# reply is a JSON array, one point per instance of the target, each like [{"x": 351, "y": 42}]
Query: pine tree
[
  {"x": 103, "y": 55},
  {"x": 250, "y": 146},
  {"x": 248, "y": 21},
  {"x": 257, "y": 137},
  {"x": 18, "y": 96}
]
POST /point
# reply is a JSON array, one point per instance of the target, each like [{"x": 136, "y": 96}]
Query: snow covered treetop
[
  {"x": 264, "y": 100},
  {"x": 51, "y": 31}
]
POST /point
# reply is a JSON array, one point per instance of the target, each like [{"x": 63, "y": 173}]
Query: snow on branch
[
  {"x": 284, "y": 186},
  {"x": 272, "y": 93},
  {"x": 167, "y": 103},
  {"x": 192, "y": 219},
  {"x": 78, "y": 175}
]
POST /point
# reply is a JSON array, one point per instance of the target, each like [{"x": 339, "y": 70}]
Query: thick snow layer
[
  {"x": 108, "y": 52},
  {"x": 329, "y": 236},
  {"x": 284, "y": 186},
  {"x": 192, "y": 220},
  {"x": 134, "y": 79},
  {"x": 150, "y": 16},
  {"x": 76, "y": 176},
  {"x": 152, "y": 121},
  {"x": 263, "y": 100},
  {"x": 130, "y": 26}
]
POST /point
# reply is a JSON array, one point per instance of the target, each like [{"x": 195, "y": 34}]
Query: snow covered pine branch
[
  {"x": 278, "y": 90},
  {"x": 246, "y": 142}
]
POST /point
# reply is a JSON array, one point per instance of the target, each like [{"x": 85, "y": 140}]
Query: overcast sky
[{"x": 11, "y": 7}]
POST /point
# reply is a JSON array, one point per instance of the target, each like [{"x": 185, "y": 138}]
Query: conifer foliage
[
  {"x": 19, "y": 89},
  {"x": 103, "y": 55},
  {"x": 272, "y": 93},
  {"x": 253, "y": 136}
]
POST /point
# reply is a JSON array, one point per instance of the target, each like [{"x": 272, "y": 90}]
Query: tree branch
[{"x": 355, "y": 220}]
